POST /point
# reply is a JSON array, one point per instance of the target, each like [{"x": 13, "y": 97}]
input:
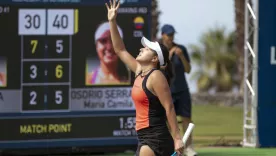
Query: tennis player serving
[{"x": 150, "y": 93}]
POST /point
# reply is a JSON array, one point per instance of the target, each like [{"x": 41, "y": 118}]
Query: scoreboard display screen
[{"x": 61, "y": 83}]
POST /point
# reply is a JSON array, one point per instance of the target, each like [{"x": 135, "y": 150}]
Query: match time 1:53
[{"x": 127, "y": 122}]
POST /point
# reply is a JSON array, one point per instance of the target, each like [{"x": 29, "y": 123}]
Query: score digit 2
[{"x": 33, "y": 98}]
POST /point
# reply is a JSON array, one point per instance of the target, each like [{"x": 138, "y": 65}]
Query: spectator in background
[{"x": 179, "y": 87}]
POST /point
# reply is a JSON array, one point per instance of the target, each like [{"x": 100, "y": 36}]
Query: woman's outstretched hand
[{"x": 112, "y": 9}]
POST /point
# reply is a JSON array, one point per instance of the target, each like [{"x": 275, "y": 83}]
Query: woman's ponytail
[{"x": 168, "y": 70}]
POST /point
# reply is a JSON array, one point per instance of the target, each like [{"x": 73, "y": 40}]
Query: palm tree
[{"x": 216, "y": 57}]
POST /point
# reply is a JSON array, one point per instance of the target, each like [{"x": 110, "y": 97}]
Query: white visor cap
[
  {"x": 103, "y": 28},
  {"x": 154, "y": 46}
]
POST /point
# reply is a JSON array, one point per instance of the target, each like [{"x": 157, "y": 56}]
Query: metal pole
[
  {"x": 255, "y": 73},
  {"x": 245, "y": 94}
]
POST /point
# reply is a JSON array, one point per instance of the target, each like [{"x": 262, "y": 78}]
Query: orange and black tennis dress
[{"x": 151, "y": 119}]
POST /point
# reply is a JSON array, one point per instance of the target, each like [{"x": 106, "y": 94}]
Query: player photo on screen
[
  {"x": 94, "y": 61},
  {"x": 3, "y": 72},
  {"x": 103, "y": 67}
]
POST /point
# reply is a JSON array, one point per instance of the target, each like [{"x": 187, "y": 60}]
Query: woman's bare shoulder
[{"x": 157, "y": 76}]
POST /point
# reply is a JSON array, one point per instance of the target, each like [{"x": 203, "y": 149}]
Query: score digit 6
[{"x": 59, "y": 72}]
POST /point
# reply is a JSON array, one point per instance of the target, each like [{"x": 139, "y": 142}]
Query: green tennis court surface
[
  {"x": 236, "y": 151},
  {"x": 213, "y": 151},
  {"x": 217, "y": 125}
]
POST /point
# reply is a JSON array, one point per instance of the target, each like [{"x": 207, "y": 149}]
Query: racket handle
[
  {"x": 188, "y": 132},
  {"x": 186, "y": 135}
]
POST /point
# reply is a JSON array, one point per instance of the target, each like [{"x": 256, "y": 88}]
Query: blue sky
[{"x": 193, "y": 17}]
